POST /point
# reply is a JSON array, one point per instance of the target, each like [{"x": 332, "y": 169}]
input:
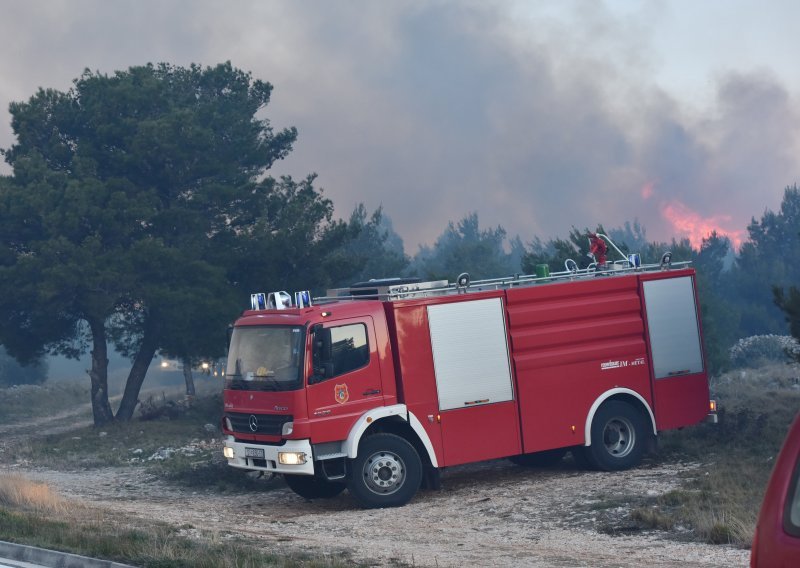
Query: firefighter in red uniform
[{"x": 598, "y": 249}]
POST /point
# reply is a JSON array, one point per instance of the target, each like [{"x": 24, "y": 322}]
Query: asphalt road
[
  {"x": 8, "y": 563},
  {"x": 29, "y": 556}
]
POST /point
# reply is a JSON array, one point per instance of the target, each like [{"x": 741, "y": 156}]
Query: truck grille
[{"x": 269, "y": 424}]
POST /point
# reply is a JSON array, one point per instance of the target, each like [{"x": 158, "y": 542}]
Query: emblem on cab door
[{"x": 341, "y": 393}]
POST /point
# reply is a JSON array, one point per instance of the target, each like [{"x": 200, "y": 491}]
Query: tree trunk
[
  {"x": 136, "y": 377},
  {"x": 101, "y": 409},
  {"x": 187, "y": 376}
]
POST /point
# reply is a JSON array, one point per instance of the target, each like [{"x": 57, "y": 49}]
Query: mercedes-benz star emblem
[{"x": 253, "y": 423}]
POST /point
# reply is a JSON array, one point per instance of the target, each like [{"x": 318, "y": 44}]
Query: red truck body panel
[
  {"x": 560, "y": 336},
  {"x": 460, "y": 435},
  {"x": 414, "y": 362},
  {"x": 680, "y": 400}
]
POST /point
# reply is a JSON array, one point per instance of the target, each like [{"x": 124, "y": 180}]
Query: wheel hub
[
  {"x": 619, "y": 437},
  {"x": 384, "y": 472}
]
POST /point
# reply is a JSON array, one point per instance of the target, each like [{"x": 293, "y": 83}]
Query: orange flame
[{"x": 690, "y": 224}]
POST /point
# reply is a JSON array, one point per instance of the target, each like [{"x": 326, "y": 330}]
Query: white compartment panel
[{"x": 470, "y": 353}]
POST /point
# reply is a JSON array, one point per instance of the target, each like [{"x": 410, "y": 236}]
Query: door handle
[{"x": 371, "y": 391}]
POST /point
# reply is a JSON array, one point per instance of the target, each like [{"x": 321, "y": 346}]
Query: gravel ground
[{"x": 491, "y": 514}]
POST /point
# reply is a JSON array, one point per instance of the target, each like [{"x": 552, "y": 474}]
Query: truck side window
[
  {"x": 340, "y": 350},
  {"x": 791, "y": 515}
]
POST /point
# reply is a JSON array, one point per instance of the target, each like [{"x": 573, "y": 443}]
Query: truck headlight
[
  {"x": 288, "y": 428},
  {"x": 228, "y": 452},
  {"x": 291, "y": 458}
]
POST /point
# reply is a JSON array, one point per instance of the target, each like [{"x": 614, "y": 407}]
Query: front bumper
[{"x": 270, "y": 462}]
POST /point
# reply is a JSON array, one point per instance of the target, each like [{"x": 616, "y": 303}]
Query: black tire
[
  {"x": 547, "y": 458},
  {"x": 618, "y": 437},
  {"x": 312, "y": 487},
  {"x": 386, "y": 473}
]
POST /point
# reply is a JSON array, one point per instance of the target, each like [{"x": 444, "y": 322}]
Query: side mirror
[
  {"x": 321, "y": 372},
  {"x": 321, "y": 365}
]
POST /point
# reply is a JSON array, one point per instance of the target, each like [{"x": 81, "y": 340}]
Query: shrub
[
  {"x": 758, "y": 349},
  {"x": 154, "y": 408},
  {"x": 12, "y": 373}
]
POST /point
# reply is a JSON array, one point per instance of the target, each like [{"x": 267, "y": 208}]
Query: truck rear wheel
[
  {"x": 618, "y": 437},
  {"x": 387, "y": 472},
  {"x": 312, "y": 487}
]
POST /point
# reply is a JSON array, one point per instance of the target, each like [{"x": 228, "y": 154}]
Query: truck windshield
[{"x": 265, "y": 358}]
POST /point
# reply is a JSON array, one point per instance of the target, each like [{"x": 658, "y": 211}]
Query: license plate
[{"x": 254, "y": 453}]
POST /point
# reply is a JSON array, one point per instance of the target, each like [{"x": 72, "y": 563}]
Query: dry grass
[
  {"x": 147, "y": 543},
  {"x": 23, "y": 402},
  {"x": 652, "y": 517},
  {"x": 124, "y": 443},
  {"x": 720, "y": 504},
  {"x": 722, "y": 528},
  {"x": 17, "y": 492}
]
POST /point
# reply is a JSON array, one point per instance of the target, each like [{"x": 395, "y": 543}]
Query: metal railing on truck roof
[{"x": 391, "y": 289}]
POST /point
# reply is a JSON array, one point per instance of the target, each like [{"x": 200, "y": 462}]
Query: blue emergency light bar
[{"x": 279, "y": 300}]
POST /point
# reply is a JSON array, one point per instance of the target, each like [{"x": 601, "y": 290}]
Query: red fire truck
[{"x": 377, "y": 387}]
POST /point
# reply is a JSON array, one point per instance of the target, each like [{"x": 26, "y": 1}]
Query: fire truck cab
[{"x": 377, "y": 387}]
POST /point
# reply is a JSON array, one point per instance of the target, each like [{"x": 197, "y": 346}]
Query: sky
[{"x": 537, "y": 115}]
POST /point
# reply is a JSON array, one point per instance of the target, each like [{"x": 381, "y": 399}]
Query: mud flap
[{"x": 432, "y": 478}]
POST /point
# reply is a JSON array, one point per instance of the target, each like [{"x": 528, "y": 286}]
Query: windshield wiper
[{"x": 269, "y": 384}]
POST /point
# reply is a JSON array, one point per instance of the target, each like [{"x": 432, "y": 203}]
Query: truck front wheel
[
  {"x": 386, "y": 472},
  {"x": 618, "y": 437},
  {"x": 312, "y": 487}
]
